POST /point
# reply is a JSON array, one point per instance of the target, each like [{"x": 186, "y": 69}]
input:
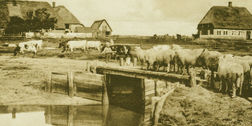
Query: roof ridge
[{"x": 228, "y": 7}]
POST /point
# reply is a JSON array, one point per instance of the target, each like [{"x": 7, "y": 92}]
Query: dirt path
[{"x": 23, "y": 80}]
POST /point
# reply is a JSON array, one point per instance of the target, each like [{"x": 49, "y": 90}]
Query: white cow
[
  {"x": 94, "y": 44},
  {"x": 37, "y": 43},
  {"x": 76, "y": 45},
  {"x": 25, "y": 47}
]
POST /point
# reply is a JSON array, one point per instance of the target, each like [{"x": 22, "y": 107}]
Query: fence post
[
  {"x": 48, "y": 87},
  {"x": 71, "y": 88},
  {"x": 155, "y": 87},
  {"x": 121, "y": 61},
  {"x": 134, "y": 61},
  {"x": 48, "y": 82},
  {"x": 192, "y": 78},
  {"x": 105, "y": 100},
  {"x": 70, "y": 119}
]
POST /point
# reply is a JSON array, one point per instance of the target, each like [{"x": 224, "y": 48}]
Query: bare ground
[{"x": 23, "y": 80}]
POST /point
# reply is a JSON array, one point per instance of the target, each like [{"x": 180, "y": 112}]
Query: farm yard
[{"x": 23, "y": 80}]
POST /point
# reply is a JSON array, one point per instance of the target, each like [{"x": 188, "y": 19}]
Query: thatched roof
[
  {"x": 98, "y": 23},
  {"x": 223, "y": 17},
  {"x": 64, "y": 16},
  {"x": 20, "y": 9},
  {"x": 3, "y": 15}
]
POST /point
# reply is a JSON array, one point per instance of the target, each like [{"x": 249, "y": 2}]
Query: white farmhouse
[{"x": 226, "y": 22}]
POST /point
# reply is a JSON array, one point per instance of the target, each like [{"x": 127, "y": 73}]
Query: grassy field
[{"x": 236, "y": 47}]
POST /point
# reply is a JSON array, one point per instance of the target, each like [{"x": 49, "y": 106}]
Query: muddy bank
[{"x": 198, "y": 106}]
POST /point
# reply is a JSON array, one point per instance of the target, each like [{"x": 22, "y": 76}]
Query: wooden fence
[{"x": 86, "y": 85}]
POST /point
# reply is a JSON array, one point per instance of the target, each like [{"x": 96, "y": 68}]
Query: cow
[
  {"x": 94, "y": 44},
  {"x": 71, "y": 45},
  {"x": 37, "y": 43},
  {"x": 24, "y": 47}
]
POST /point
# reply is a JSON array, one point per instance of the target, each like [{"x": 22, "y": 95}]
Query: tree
[
  {"x": 39, "y": 19},
  {"x": 34, "y": 21},
  {"x": 16, "y": 25}
]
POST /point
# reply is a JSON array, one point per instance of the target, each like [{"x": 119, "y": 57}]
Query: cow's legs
[
  {"x": 239, "y": 82},
  {"x": 221, "y": 84},
  {"x": 227, "y": 83},
  {"x": 168, "y": 68},
  {"x": 233, "y": 89}
]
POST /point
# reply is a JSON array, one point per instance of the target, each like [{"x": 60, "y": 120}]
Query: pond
[{"x": 92, "y": 115}]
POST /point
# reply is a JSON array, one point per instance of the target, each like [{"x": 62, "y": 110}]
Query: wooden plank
[
  {"x": 79, "y": 82},
  {"x": 149, "y": 85},
  {"x": 143, "y": 73},
  {"x": 71, "y": 90},
  {"x": 59, "y": 73},
  {"x": 88, "y": 76},
  {"x": 150, "y": 92},
  {"x": 92, "y": 85},
  {"x": 89, "y": 88},
  {"x": 59, "y": 89},
  {"x": 91, "y": 96}
]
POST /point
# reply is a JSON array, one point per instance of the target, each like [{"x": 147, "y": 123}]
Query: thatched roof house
[
  {"x": 102, "y": 28},
  {"x": 20, "y": 8},
  {"x": 226, "y": 22},
  {"x": 65, "y": 19}
]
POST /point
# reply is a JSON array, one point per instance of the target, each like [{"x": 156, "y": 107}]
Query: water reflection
[{"x": 95, "y": 115}]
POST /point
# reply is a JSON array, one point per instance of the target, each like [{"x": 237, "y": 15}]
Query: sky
[{"x": 146, "y": 17}]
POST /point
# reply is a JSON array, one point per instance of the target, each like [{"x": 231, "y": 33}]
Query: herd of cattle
[{"x": 232, "y": 72}]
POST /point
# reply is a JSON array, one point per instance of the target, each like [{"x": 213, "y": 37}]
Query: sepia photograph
[{"x": 125, "y": 62}]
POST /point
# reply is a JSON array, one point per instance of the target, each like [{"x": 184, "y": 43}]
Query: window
[
  {"x": 204, "y": 32},
  {"x": 218, "y": 32},
  {"x": 239, "y": 33},
  {"x": 67, "y": 26},
  {"x": 107, "y": 33},
  {"x": 225, "y": 32},
  {"x": 211, "y": 32},
  {"x": 233, "y": 32}
]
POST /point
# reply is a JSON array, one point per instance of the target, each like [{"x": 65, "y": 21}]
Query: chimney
[
  {"x": 53, "y": 4},
  {"x": 229, "y": 4}
]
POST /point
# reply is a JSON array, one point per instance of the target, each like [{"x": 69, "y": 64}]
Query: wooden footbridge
[{"x": 130, "y": 88}]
